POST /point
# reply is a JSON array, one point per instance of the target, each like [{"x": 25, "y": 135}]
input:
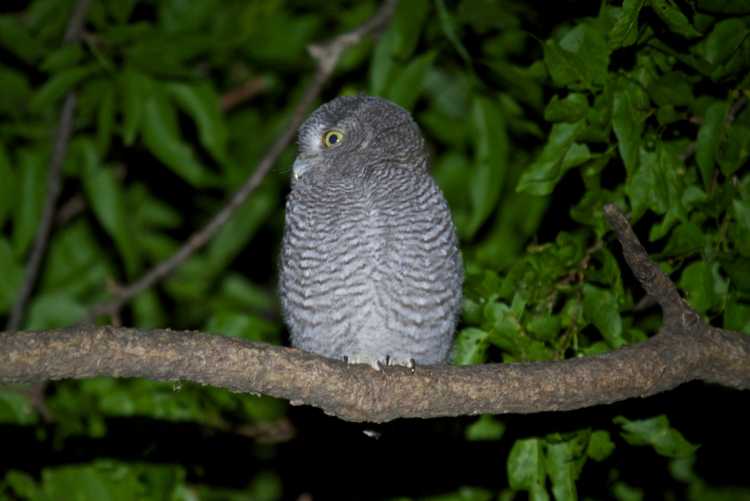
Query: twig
[
  {"x": 62, "y": 138},
  {"x": 685, "y": 349},
  {"x": 326, "y": 56},
  {"x": 71, "y": 208},
  {"x": 735, "y": 109},
  {"x": 651, "y": 278},
  {"x": 243, "y": 92}
]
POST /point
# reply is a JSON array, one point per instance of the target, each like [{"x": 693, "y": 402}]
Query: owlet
[{"x": 370, "y": 266}]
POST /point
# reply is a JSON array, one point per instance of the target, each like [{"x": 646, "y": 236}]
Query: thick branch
[
  {"x": 326, "y": 56},
  {"x": 685, "y": 349},
  {"x": 359, "y": 393},
  {"x": 62, "y": 138}
]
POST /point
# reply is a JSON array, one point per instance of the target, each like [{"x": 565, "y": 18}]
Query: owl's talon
[{"x": 363, "y": 359}]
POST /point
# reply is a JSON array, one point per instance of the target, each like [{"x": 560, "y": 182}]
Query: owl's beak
[{"x": 301, "y": 164}]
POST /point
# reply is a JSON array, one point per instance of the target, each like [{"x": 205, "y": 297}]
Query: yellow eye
[{"x": 332, "y": 138}]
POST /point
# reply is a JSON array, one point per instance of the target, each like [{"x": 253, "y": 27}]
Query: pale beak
[{"x": 301, "y": 165}]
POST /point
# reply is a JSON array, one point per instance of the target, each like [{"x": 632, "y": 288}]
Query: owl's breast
[{"x": 381, "y": 259}]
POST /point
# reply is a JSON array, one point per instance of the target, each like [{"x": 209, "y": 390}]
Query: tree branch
[
  {"x": 243, "y": 92},
  {"x": 326, "y": 56},
  {"x": 62, "y": 138},
  {"x": 685, "y": 349}
]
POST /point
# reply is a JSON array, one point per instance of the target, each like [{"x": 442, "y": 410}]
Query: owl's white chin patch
[{"x": 299, "y": 168}]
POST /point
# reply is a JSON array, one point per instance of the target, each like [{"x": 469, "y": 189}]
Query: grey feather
[{"x": 370, "y": 268}]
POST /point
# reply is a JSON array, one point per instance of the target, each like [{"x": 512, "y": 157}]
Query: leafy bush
[{"x": 535, "y": 118}]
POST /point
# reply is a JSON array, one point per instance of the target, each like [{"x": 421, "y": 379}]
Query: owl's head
[{"x": 350, "y": 134}]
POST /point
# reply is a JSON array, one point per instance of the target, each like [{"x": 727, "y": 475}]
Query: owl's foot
[
  {"x": 363, "y": 358},
  {"x": 379, "y": 364},
  {"x": 409, "y": 363}
]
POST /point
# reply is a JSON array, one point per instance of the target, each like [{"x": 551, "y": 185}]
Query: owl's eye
[{"x": 332, "y": 138}]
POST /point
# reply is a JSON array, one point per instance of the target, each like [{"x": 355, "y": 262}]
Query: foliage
[{"x": 535, "y": 119}]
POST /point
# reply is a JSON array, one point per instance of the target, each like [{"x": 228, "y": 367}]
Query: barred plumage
[{"x": 370, "y": 266}]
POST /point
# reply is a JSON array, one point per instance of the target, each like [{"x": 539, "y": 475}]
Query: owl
[{"x": 370, "y": 269}]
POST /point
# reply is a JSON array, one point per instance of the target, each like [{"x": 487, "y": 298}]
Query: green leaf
[
  {"x": 600, "y": 445},
  {"x": 542, "y": 175},
  {"x": 737, "y": 316},
  {"x": 697, "y": 280},
  {"x": 150, "y": 211},
  {"x": 577, "y": 155},
  {"x": 506, "y": 332},
  {"x": 249, "y": 327},
  {"x": 571, "y": 108},
  {"x": 105, "y": 119},
  {"x": 15, "y": 37},
  {"x": 148, "y": 310},
  {"x": 8, "y": 187},
  {"x": 601, "y": 308},
  {"x": 724, "y": 40},
  {"x": 62, "y": 58},
  {"x": 407, "y": 25},
  {"x": 16, "y": 407},
  {"x": 242, "y": 294},
  {"x": 563, "y": 462},
  {"x": 545, "y": 327},
  {"x": 282, "y": 38},
  {"x": 15, "y": 92},
  {"x": 580, "y": 59},
  {"x": 671, "y": 89},
  {"x": 121, "y": 10},
  {"x": 709, "y": 139},
  {"x": 57, "y": 86},
  {"x": 408, "y": 83},
  {"x": 564, "y": 68},
  {"x": 450, "y": 93},
  {"x": 657, "y": 433},
  {"x": 202, "y": 104},
  {"x": 470, "y": 347},
  {"x": 742, "y": 213},
  {"x": 22, "y": 484},
  {"x": 491, "y": 146},
  {"x": 686, "y": 238},
  {"x": 105, "y": 195},
  {"x": 735, "y": 150},
  {"x": 625, "y": 30},
  {"x": 54, "y": 310},
  {"x": 629, "y": 112},
  {"x": 656, "y": 185},
  {"x": 625, "y": 492},
  {"x": 237, "y": 232},
  {"x": 162, "y": 138},
  {"x": 526, "y": 465},
  {"x": 90, "y": 483},
  {"x": 724, "y": 6},
  {"x": 135, "y": 88},
  {"x": 12, "y": 272},
  {"x": 76, "y": 265},
  {"x": 674, "y": 18},
  {"x": 382, "y": 65},
  {"x": 32, "y": 188},
  {"x": 484, "y": 429},
  {"x": 448, "y": 25}
]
